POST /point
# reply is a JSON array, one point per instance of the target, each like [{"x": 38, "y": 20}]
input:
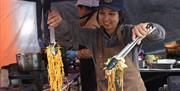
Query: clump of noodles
[
  {"x": 55, "y": 68},
  {"x": 118, "y": 71}
]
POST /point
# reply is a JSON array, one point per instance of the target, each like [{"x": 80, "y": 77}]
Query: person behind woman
[
  {"x": 64, "y": 13},
  {"x": 110, "y": 38}
]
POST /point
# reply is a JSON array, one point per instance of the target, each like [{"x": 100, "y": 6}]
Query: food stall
[
  {"x": 21, "y": 53},
  {"x": 23, "y": 63}
]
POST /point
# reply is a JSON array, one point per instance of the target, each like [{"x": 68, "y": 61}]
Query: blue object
[{"x": 71, "y": 54}]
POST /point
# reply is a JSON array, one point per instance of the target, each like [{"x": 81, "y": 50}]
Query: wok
[{"x": 173, "y": 48}]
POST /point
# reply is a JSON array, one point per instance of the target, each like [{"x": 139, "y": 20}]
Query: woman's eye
[
  {"x": 112, "y": 14},
  {"x": 102, "y": 13}
]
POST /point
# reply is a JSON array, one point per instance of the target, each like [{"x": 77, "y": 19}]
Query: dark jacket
[{"x": 89, "y": 38}]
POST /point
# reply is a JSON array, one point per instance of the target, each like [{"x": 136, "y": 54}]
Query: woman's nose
[{"x": 106, "y": 18}]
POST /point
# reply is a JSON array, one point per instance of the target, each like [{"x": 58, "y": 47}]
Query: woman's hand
[
  {"x": 140, "y": 30},
  {"x": 54, "y": 18}
]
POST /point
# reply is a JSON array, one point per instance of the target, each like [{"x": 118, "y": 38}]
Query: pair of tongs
[
  {"x": 112, "y": 63},
  {"x": 52, "y": 40}
]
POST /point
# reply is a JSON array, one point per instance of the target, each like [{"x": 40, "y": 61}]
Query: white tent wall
[
  {"x": 18, "y": 30},
  {"x": 26, "y": 27}
]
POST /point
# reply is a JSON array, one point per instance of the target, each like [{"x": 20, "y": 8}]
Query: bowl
[{"x": 163, "y": 64}]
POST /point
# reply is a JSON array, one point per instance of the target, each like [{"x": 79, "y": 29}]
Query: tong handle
[
  {"x": 127, "y": 48},
  {"x": 52, "y": 35},
  {"x": 52, "y": 40}
]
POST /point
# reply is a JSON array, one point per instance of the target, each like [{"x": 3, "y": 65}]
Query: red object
[{"x": 7, "y": 39}]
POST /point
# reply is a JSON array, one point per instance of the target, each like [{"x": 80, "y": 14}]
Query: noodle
[
  {"x": 111, "y": 75},
  {"x": 55, "y": 68}
]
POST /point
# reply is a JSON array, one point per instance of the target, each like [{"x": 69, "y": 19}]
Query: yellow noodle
[
  {"x": 110, "y": 75},
  {"x": 55, "y": 68}
]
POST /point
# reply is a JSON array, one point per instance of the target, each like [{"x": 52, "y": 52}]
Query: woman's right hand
[
  {"x": 140, "y": 30},
  {"x": 54, "y": 18}
]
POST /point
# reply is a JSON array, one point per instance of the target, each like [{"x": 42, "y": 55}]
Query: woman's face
[{"x": 109, "y": 19}]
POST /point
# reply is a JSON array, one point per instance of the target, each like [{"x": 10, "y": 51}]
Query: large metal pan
[{"x": 28, "y": 61}]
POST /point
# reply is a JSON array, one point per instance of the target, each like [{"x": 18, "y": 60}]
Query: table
[
  {"x": 155, "y": 78},
  {"x": 71, "y": 79},
  {"x": 68, "y": 81},
  {"x": 159, "y": 70}
]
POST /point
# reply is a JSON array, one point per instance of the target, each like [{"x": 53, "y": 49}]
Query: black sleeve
[{"x": 83, "y": 36}]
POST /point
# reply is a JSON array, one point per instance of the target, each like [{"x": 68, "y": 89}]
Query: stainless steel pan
[{"x": 28, "y": 61}]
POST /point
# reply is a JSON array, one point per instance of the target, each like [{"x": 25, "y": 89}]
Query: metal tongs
[
  {"x": 52, "y": 40},
  {"x": 127, "y": 49}
]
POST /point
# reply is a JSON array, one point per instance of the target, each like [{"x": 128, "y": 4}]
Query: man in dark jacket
[{"x": 65, "y": 13}]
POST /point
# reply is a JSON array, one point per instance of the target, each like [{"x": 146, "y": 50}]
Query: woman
[{"x": 110, "y": 38}]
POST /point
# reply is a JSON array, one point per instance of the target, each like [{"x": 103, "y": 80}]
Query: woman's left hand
[{"x": 140, "y": 30}]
